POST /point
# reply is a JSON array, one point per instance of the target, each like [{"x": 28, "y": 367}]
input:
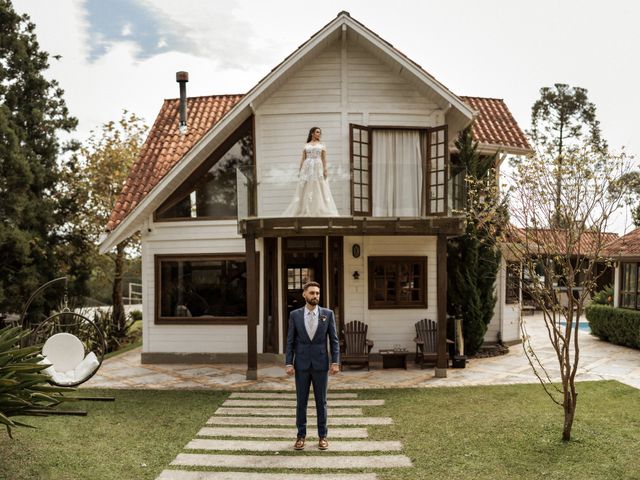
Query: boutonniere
[{"x": 323, "y": 318}]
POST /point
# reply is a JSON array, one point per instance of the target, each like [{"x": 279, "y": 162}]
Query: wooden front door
[{"x": 303, "y": 261}]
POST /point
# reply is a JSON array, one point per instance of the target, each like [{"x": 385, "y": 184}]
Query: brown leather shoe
[
  {"x": 299, "y": 445},
  {"x": 323, "y": 443}
]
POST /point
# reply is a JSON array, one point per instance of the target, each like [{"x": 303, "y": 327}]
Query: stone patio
[{"x": 598, "y": 361}]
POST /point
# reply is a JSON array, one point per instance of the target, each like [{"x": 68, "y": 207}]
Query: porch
[{"x": 328, "y": 250}]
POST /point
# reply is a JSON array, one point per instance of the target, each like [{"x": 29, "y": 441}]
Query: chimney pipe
[{"x": 182, "y": 78}]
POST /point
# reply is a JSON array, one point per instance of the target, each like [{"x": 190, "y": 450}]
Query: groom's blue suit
[{"x": 310, "y": 359}]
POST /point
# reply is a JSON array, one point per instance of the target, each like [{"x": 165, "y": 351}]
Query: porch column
[
  {"x": 253, "y": 295},
  {"x": 441, "y": 255}
]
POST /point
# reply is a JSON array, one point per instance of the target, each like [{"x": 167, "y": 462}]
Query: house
[
  {"x": 625, "y": 252},
  {"x": 545, "y": 244},
  {"x": 222, "y": 268}
]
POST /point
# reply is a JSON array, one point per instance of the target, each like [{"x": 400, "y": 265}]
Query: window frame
[
  {"x": 202, "y": 320},
  {"x": 636, "y": 292},
  {"x": 512, "y": 276},
  {"x": 426, "y": 166},
  {"x": 372, "y": 261},
  {"x": 189, "y": 184}
]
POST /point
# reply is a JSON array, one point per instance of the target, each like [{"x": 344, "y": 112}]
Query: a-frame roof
[{"x": 167, "y": 158}]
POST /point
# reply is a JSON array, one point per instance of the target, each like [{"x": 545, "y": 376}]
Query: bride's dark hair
[{"x": 311, "y": 132}]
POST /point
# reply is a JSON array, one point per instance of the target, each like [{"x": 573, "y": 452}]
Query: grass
[{"x": 496, "y": 432}]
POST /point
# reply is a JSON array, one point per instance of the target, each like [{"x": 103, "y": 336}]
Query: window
[
  {"x": 629, "y": 285},
  {"x": 512, "y": 293},
  {"x": 360, "y": 170},
  {"x": 211, "y": 192},
  {"x": 397, "y": 282},
  {"x": 201, "y": 289},
  {"x": 399, "y": 172}
]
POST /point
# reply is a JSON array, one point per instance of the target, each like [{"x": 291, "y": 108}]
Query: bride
[{"x": 313, "y": 196}]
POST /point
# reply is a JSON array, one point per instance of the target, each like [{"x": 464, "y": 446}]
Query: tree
[
  {"x": 556, "y": 262},
  {"x": 473, "y": 259},
  {"x": 558, "y": 118},
  {"x": 98, "y": 175},
  {"x": 35, "y": 244}
]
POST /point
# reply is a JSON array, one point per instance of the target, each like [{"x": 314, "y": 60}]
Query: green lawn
[{"x": 509, "y": 432}]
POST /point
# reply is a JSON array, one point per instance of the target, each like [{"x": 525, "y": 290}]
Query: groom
[{"x": 307, "y": 357}]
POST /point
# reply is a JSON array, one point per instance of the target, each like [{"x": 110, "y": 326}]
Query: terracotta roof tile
[
  {"x": 165, "y": 146},
  {"x": 550, "y": 241},
  {"x": 495, "y": 125},
  {"x": 626, "y": 246}
]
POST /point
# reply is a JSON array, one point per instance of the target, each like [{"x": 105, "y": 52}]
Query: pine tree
[
  {"x": 34, "y": 244},
  {"x": 473, "y": 259}
]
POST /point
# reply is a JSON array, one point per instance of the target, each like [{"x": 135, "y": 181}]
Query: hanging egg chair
[{"x": 73, "y": 347}]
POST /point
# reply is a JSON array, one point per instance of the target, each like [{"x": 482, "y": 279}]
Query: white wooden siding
[
  {"x": 506, "y": 317},
  {"x": 185, "y": 238},
  {"x": 342, "y": 85},
  {"x": 387, "y": 327}
]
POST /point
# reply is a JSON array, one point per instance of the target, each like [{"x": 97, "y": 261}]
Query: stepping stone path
[{"x": 256, "y": 431}]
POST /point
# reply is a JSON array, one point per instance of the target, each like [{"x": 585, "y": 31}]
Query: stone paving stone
[
  {"x": 333, "y": 462},
  {"x": 190, "y": 475},
  {"x": 292, "y": 403},
  {"x": 283, "y": 411},
  {"x": 291, "y": 421},
  {"x": 289, "y": 396},
  {"x": 276, "y": 432},
  {"x": 281, "y": 445}
]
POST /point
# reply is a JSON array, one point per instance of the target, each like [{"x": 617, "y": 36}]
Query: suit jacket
[{"x": 305, "y": 353}]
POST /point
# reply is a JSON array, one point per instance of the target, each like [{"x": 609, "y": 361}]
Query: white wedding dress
[{"x": 312, "y": 197}]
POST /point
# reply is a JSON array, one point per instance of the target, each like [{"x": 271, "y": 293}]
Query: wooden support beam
[
  {"x": 441, "y": 255},
  {"x": 253, "y": 294}
]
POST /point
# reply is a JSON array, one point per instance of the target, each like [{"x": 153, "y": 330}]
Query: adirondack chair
[
  {"x": 427, "y": 342},
  {"x": 356, "y": 345}
]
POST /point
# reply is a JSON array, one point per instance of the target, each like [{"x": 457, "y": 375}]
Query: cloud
[{"x": 210, "y": 30}]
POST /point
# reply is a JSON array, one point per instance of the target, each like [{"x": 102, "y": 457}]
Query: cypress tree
[
  {"x": 35, "y": 244},
  {"x": 473, "y": 259}
]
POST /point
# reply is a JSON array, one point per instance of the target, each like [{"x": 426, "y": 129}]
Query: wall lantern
[
  {"x": 355, "y": 250},
  {"x": 356, "y": 275}
]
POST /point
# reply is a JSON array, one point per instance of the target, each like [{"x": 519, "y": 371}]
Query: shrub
[
  {"x": 615, "y": 325},
  {"x": 135, "y": 315},
  {"x": 116, "y": 337},
  {"x": 604, "y": 297},
  {"x": 24, "y": 389}
]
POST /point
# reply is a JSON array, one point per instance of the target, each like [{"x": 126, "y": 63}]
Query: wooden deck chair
[
  {"x": 356, "y": 346},
  {"x": 427, "y": 342}
]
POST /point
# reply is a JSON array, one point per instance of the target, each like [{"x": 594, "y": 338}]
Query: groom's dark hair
[
  {"x": 311, "y": 132},
  {"x": 306, "y": 286}
]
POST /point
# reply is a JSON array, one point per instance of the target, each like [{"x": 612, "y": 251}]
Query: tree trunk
[{"x": 119, "y": 317}]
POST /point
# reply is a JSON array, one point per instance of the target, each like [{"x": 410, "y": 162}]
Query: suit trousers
[{"x": 304, "y": 380}]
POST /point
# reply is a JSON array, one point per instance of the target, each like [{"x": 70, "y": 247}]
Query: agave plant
[{"x": 24, "y": 390}]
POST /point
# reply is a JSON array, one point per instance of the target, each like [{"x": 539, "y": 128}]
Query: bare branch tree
[{"x": 559, "y": 267}]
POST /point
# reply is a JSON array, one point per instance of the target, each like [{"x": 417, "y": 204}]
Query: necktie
[{"x": 311, "y": 324}]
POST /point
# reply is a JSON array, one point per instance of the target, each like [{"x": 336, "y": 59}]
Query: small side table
[{"x": 394, "y": 358}]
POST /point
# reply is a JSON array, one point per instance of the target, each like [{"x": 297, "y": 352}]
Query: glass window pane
[
  {"x": 365, "y": 150},
  {"x": 199, "y": 288},
  {"x": 365, "y": 136}
]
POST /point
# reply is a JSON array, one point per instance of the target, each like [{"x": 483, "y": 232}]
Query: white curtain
[{"x": 397, "y": 173}]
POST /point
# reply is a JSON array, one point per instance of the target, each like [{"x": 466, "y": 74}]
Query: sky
[{"x": 123, "y": 54}]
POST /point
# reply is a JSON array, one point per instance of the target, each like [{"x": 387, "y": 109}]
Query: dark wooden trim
[
  {"x": 345, "y": 226},
  {"x": 352, "y": 127},
  {"x": 421, "y": 260},
  {"x": 336, "y": 291},
  {"x": 441, "y": 296},
  {"x": 270, "y": 281},
  {"x": 635, "y": 292},
  {"x": 203, "y": 320},
  {"x": 186, "y": 186},
  {"x": 253, "y": 299}
]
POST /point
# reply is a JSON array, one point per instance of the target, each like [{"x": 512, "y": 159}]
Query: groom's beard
[{"x": 313, "y": 301}]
